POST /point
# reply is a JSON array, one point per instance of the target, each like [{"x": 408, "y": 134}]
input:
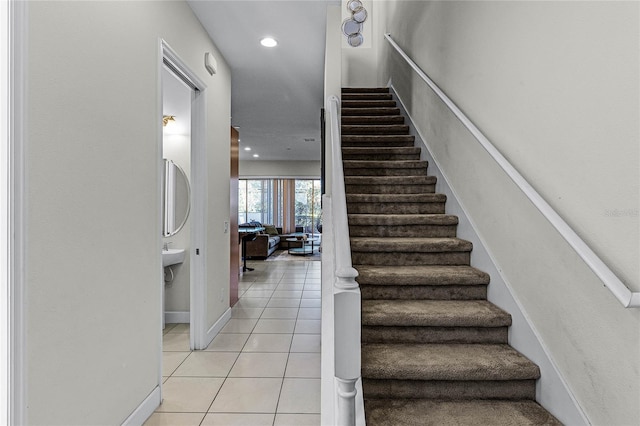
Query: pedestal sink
[{"x": 172, "y": 256}]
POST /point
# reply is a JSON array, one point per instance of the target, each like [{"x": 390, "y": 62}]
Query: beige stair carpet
[{"x": 434, "y": 350}]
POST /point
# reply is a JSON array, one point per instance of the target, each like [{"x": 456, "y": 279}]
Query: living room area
[{"x": 280, "y": 210}]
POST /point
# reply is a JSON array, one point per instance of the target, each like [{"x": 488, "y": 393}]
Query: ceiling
[{"x": 276, "y": 93}]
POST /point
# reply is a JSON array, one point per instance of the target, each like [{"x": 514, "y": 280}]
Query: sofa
[{"x": 264, "y": 244}]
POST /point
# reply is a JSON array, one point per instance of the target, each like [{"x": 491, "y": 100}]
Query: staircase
[{"x": 434, "y": 350}]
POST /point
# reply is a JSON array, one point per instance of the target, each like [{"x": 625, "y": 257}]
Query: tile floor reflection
[{"x": 264, "y": 366}]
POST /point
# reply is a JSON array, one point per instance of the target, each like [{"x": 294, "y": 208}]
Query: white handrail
[
  {"x": 346, "y": 297},
  {"x": 345, "y": 270},
  {"x": 628, "y": 298}
]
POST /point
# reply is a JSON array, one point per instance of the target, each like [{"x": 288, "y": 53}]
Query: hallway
[{"x": 264, "y": 366}]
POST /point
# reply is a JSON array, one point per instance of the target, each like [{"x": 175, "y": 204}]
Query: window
[
  {"x": 307, "y": 205},
  {"x": 286, "y": 203}
]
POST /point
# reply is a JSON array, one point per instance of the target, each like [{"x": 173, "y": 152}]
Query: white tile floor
[{"x": 264, "y": 366}]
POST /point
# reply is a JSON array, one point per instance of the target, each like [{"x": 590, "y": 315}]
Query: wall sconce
[
  {"x": 167, "y": 118},
  {"x": 352, "y": 27}
]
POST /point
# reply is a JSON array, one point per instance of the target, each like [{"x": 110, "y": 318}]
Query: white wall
[
  {"x": 359, "y": 63},
  {"x": 281, "y": 169},
  {"x": 93, "y": 269},
  {"x": 554, "y": 85}
]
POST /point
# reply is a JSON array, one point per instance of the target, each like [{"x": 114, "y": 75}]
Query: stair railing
[
  {"x": 346, "y": 291},
  {"x": 627, "y": 298}
]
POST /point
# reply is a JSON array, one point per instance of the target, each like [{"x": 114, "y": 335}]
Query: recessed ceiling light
[
  {"x": 247, "y": 148},
  {"x": 255, "y": 156},
  {"x": 268, "y": 42}
]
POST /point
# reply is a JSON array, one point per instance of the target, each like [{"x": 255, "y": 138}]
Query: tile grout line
[{"x": 252, "y": 333}]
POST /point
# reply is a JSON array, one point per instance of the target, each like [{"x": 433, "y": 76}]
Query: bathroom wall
[{"x": 93, "y": 271}]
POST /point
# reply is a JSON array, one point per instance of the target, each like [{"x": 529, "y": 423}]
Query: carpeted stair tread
[
  {"x": 402, "y": 219},
  {"x": 428, "y": 332},
  {"x": 428, "y": 412},
  {"x": 381, "y": 153},
  {"x": 405, "y": 226},
  {"x": 409, "y": 245},
  {"x": 365, "y": 90},
  {"x": 370, "y": 141},
  {"x": 385, "y": 168},
  {"x": 372, "y": 164},
  {"x": 385, "y": 110},
  {"x": 433, "y": 275},
  {"x": 433, "y": 313},
  {"x": 373, "y": 119},
  {"x": 366, "y": 96},
  {"x": 449, "y": 390},
  {"x": 356, "y": 129},
  {"x": 368, "y": 104},
  {"x": 396, "y": 198},
  {"x": 390, "y": 180},
  {"x": 446, "y": 362}
]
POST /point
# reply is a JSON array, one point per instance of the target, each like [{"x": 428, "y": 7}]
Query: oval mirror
[{"x": 176, "y": 198}]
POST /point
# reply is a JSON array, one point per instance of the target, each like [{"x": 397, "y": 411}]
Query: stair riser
[
  {"x": 350, "y": 112},
  {"x": 419, "y": 292},
  {"x": 381, "y": 157},
  {"x": 403, "y": 230},
  {"x": 385, "y": 172},
  {"x": 375, "y": 130},
  {"x": 382, "y": 334},
  {"x": 390, "y": 189},
  {"x": 367, "y": 97},
  {"x": 391, "y": 208},
  {"x": 375, "y": 141},
  {"x": 448, "y": 390},
  {"x": 377, "y": 144},
  {"x": 365, "y": 90},
  {"x": 368, "y": 104},
  {"x": 407, "y": 259},
  {"x": 373, "y": 119}
]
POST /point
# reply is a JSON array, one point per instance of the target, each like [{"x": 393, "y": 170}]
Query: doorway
[
  {"x": 176, "y": 155},
  {"x": 183, "y": 139}
]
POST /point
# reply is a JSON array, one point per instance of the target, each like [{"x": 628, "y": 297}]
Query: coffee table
[{"x": 308, "y": 246}]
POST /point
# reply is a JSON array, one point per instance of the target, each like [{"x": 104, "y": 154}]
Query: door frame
[
  {"x": 198, "y": 182},
  {"x": 12, "y": 226}
]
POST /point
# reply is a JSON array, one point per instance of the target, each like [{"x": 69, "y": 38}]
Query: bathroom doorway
[
  {"x": 183, "y": 166},
  {"x": 176, "y": 153}
]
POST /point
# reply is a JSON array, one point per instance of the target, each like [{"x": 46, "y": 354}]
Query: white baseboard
[
  {"x": 177, "y": 317},
  {"x": 215, "y": 328},
  {"x": 145, "y": 409},
  {"x": 552, "y": 391}
]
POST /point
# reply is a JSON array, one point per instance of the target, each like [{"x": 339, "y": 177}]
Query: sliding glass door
[{"x": 292, "y": 204}]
